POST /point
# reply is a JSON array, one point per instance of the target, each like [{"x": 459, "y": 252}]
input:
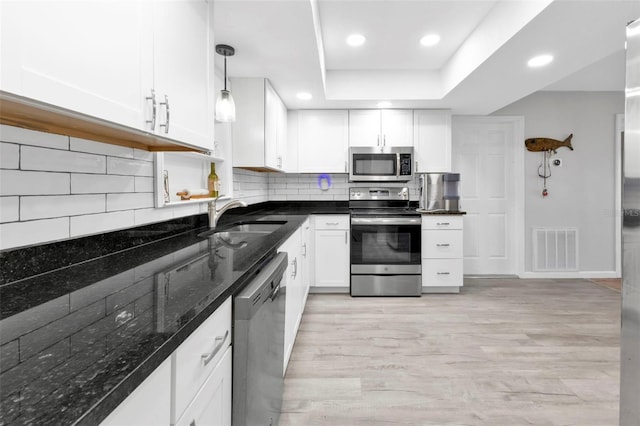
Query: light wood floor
[{"x": 502, "y": 352}]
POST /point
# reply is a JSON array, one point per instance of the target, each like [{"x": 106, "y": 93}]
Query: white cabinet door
[
  {"x": 432, "y": 141},
  {"x": 212, "y": 404},
  {"x": 323, "y": 141},
  {"x": 148, "y": 404},
  {"x": 397, "y": 127},
  {"x": 292, "y": 283},
  {"x": 332, "y": 258},
  {"x": 307, "y": 251},
  {"x": 94, "y": 57},
  {"x": 183, "y": 71},
  {"x": 364, "y": 127},
  {"x": 260, "y": 134}
]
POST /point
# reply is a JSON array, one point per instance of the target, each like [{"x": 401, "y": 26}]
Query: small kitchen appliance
[
  {"x": 381, "y": 164},
  {"x": 439, "y": 192},
  {"x": 385, "y": 243}
]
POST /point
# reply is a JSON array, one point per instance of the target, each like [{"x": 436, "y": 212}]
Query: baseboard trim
[
  {"x": 329, "y": 290},
  {"x": 440, "y": 290},
  {"x": 577, "y": 274}
]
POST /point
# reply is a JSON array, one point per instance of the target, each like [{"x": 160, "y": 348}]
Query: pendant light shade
[{"x": 225, "y": 107}]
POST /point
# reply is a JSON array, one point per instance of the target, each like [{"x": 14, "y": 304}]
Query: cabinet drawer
[
  {"x": 332, "y": 221},
  {"x": 441, "y": 272},
  {"x": 441, "y": 222},
  {"x": 212, "y": 404},
  {"x": 197, "y": 356},
  {"x": 441, "y": 244}
]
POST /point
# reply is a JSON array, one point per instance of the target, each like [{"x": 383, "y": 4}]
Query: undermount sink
[
  {"x": 245, "y": 230},
  {"x": 256, "y": 227}
]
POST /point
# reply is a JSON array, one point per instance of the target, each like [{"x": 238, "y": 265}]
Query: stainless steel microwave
[{"x": 375, "y": 164}]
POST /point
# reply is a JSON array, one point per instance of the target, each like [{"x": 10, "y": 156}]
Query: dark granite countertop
[
  {"x": 80, "y": 334},
  {"x": 441, "y": 212}
]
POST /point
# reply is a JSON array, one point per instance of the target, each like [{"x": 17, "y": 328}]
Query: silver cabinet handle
[
  {"x": 295, "y": 267},
  {"x": 443, "y": 273},
  {"x": 384, "y": 140},
  {"x": 332, "y": 223},
  {"x": 378, "y": 141},
  {"x": 280, "y": 161},
  {"x": 442, "y": 245},
  {"x": 416, "y": 166},
  {"x": 219, "y": 344},
  {"x": 345, "y": 167},
  {"x": 152, "y": 98},
  {"x": 304, "y": 250},
  {"x": 443, "y": 224},
  {"x": 167, "y": 114},
  {"x": 345, "y": 237}
]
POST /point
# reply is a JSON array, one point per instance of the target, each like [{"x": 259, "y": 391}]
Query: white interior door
[{"x": 485, "y": 153}]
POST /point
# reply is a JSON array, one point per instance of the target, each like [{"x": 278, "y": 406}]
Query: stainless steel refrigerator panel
[{"x": 630, "y": 337}]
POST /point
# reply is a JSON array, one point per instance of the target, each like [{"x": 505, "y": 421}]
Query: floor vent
[{"x": 555, "y": 249}]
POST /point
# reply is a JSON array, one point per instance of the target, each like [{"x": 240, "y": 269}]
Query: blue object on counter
[{"x": 324, "y": 181}]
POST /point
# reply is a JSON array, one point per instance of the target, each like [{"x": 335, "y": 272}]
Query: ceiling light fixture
[
  {"x": 384, "y": 104},
  {"x": 305, "y": 96},
  {"x": 356, "y": 40},
  {"x": 225, "y": 106},
  {"x": 540, "y": 61},
  {"x": 430, "y": 40}
]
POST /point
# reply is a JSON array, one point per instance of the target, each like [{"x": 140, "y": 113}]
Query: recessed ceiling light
[
  {"x": 384, "y": 104},
  {"x": 540, "y": 61},
  {"x": 356, "y": 40},
  {"x": 430, "y": 40},
  {"x": 305, "y": 96}
]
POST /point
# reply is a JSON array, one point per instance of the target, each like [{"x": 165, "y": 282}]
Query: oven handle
[{"x": 385, "y": 220}]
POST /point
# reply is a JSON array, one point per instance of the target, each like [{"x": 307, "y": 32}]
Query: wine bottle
[{"x": 213, "y": 183}]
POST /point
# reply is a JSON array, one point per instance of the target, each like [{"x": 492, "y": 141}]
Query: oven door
[{"x": 385, "y": 245}]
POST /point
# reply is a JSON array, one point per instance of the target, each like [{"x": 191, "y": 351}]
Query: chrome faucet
[{"x": 215, "y": 213}]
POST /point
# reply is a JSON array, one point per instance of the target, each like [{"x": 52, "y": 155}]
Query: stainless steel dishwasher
[{"x": 258, "y": 352}]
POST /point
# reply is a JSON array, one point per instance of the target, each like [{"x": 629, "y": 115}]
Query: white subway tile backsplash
[
  {"x": 34, "y": 158},
  {"x": 9, "y": 209},
  {"x": 140, "y": 154},
  {"x": 143, "y": 184},
  {"x": 96, "y": 184},
  {"x": 42, "y": 207},
  {"x": 18, "y": 182},
  {"x": 84, "y": 145},
  {"x": 131, "y": 201},
  {"x": 187, "y": 209},
  {"x": 32, "y": 137},
  {"x": 130, "y": 167},
  {"x": 9, "y": 156},
  {"x": 151, "y": 215},
  {"x": 17, "y": 234},
  {"x": 102, "y": 222}
]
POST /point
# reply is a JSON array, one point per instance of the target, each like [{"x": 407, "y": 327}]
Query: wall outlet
[{"x": 557, "y": 162}]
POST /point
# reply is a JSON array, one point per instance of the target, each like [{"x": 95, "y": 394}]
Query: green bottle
[{"x": 213, "y": 183}]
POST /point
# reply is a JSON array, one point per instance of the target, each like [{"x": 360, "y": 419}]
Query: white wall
[{"x": 582, "y": 191}]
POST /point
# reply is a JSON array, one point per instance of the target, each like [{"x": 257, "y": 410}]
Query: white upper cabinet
[
  {"x": 114, "y": 61},
  {"x": 260, "y": 130},
  {"x": 381, "y": 128},
  {"x": 432, "y": 141},
  {"x": 323, "y": 141},
  {"x": 183, "y": 71},
  {"x": 90, "y": 57}
]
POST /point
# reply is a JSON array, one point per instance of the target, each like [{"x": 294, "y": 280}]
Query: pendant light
[{"x": 225, "y": 107}]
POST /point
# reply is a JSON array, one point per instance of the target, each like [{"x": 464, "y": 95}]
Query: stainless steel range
[{"x": 385, "y": 243}]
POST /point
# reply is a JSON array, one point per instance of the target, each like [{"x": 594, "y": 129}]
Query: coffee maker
[{"x": 440, "y": 192}]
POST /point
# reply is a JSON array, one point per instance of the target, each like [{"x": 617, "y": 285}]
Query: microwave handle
[{"x": 397, "y": 164}]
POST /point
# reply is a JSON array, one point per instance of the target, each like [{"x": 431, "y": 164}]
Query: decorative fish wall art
[{"x": 547, "y": 144}]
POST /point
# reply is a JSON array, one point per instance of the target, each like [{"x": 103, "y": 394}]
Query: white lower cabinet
[
  {"x": 198, "y": 356},
  {"x": 442, "y": 253},
  {"x": 149, "y": 404},
  {"x": 212, "y": 404},
  {"x": 292, "y": 284},
  {"x": 331, "y": 253}
]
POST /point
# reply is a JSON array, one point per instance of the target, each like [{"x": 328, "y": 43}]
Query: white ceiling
[{"x": 478, "y": 67}]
